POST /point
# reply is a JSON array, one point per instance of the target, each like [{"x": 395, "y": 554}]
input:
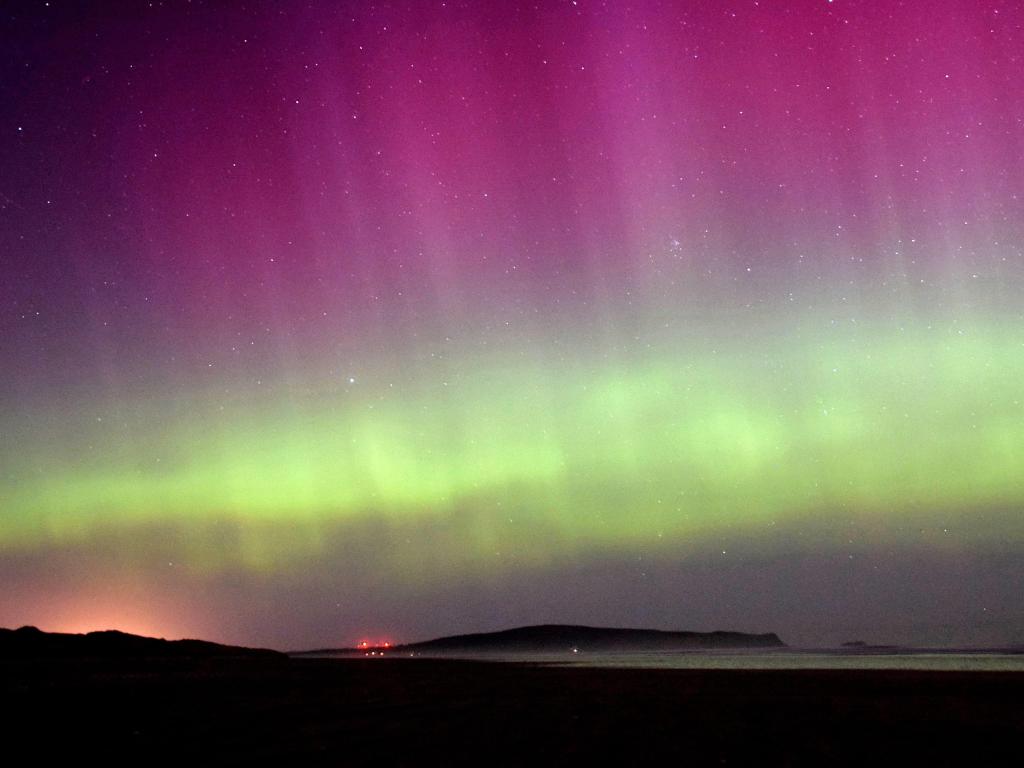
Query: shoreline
[{"x": 415, "y": 711}]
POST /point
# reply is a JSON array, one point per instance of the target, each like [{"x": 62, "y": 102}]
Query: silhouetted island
[
  {"x": 30, "y": 642},
  {"x": 861, "y": 645},
  {"x": 568, "y": 638}
]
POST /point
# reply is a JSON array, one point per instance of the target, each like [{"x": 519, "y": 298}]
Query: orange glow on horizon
[
  {"x": 93, "y": 609},
  {"x": 96, "y": 619}
]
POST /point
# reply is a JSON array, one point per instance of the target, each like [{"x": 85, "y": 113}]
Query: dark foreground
[{"x": 387, "y": 712}]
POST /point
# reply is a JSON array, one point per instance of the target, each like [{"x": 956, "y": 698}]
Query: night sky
[{"x": 327, "y": 321}]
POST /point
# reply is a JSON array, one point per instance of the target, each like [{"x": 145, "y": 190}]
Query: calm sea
[{"x": 949, "y": 660}]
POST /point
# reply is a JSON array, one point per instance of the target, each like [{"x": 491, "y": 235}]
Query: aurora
[{"x": 325, "y": 322}]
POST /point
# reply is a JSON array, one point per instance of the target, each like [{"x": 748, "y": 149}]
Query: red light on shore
[{"x": 380, "y": 645}]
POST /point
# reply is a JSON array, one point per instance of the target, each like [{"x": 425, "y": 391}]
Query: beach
[{"x": 423, "y": 711}]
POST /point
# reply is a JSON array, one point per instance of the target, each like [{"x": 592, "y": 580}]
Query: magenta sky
[{"x": 326, "y": 318}]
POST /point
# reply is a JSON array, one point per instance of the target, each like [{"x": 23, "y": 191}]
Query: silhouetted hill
[
  {"x": 562, "y": 638},
  {"x": 29, "y": 642},
  {"x": 861, "y": 645}
]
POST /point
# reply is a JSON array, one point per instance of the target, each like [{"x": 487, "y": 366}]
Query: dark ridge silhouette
[
  {"x": 861, "y": 645},
  {"x": 561, "y": 638},
  {"x": 30, "y": 642}
]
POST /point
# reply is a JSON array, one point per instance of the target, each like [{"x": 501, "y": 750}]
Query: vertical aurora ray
[{"x": 402, "y": 303}]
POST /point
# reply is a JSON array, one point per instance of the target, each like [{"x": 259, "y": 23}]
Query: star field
[{"x": 418, "y": 317}]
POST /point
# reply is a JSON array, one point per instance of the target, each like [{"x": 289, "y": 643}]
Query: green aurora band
[{"x": 679, "y": 448}]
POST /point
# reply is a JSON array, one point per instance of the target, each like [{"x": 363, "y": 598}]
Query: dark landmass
[
  {"x": 272, "y": 710},
  {"x": 29, "y": 642},
  {"x": 860, "y": 645},
  {"x": 563, "y": 638}
]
